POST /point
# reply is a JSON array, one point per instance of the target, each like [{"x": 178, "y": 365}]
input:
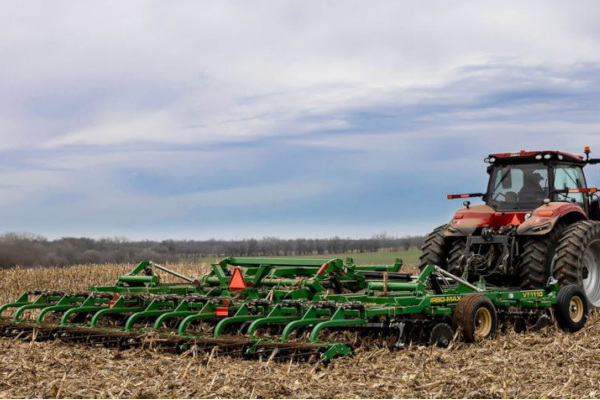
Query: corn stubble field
[{"x": 543, "y": 364}]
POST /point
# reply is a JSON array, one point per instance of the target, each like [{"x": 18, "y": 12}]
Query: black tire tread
[
  {"x": 561, "y": 308},
  {"x": 571, "y": 249},
  {"x": 464, "y": 311},
  {"x": 435, "y": 249},
  {"x": 456, "y": 252},
  {"x": 534, "y": 263}
]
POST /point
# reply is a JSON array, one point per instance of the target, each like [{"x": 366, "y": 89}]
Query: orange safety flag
[{"x": 237, "y": 280}]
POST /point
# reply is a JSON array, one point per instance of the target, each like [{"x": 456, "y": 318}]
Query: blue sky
[{"x": 294, "y": 119}]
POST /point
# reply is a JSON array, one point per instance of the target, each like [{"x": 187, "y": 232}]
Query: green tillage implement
[{"x": 282, "y": 307}]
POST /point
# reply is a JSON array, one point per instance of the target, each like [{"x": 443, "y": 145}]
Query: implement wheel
[
  {"x": 578, "y": 259},
  {"x": 475, "y": 315},
  {"x": 571, "y": 308}
]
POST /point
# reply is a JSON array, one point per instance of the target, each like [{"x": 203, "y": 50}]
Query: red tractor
[{"x": 539, "y": 222}]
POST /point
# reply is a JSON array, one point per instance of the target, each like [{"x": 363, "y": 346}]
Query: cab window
[
  {"x": 566, "y": 178},
  {"x": 518, "y": 187}
]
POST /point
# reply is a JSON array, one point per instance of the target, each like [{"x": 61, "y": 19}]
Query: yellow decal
[
  {"x": 445, "y": 299},
  {"x": 533, "y": 294}
]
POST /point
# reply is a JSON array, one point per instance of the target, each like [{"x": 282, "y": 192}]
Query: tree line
[{"x": 30, "y": 250}]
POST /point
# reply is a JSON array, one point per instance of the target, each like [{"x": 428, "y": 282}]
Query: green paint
[{"x": 287, "y": 294}]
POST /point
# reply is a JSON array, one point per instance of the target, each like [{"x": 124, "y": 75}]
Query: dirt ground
[{"x": 545, "y": 364}]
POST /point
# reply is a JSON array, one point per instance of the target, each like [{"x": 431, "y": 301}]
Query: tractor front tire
[
  {"x": 535, "y": 263},
  {"x": 578, "y": 259},
  {"x": 476, "y": 317},
  {"x": 435, "y": 249}
]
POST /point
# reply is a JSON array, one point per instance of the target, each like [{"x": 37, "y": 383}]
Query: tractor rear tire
[
  {"x": 456, "y": 265},
  {"x": 578, "y": 259},
  {"x": 571, "y": 308},
  {"x": 476, "y": 317},
  {"x": 535, "y": 263},
  {"x": 435, "y": 249}
]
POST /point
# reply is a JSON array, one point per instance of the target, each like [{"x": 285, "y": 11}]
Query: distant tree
[{"x": 28, "y": 249}]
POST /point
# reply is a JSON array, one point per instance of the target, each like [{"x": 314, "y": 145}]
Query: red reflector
[
  {"x": 237, "y": 281},
  {"x": 222, "y": 312},
  {"x": 458, "y": 216},
  {"x": 113, "y": 301},
  {"x": 515, "y": 220}
]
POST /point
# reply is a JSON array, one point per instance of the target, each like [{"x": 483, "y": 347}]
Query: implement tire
[
  {"x": 535, "y": 263},
  {"x": 475, "y": 315},
  {"x": 571, "y": 308},
  {"x": 578, "y": 259},
  {"x": 435, "y": 249}
]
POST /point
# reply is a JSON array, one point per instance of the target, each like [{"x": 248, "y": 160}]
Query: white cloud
[
  {"x": 243, "y": 70},
  {"x": 89, "y": 91}
]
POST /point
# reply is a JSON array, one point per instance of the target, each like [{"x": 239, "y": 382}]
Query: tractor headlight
[
  {"x": 538, "y": 157},
  {"x": 547, "y": 156}
]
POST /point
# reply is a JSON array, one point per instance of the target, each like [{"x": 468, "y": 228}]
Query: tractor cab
[
  {"x": 548, "y": 184},
  {"x": 525, "y": 181}
]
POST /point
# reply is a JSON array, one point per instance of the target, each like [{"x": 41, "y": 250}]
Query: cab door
[{"x": 570, "y": 177}]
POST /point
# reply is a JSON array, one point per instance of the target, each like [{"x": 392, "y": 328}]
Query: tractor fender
[
  {"x": 467, "y": 220},
  {"x": 544, "y": 218}
]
